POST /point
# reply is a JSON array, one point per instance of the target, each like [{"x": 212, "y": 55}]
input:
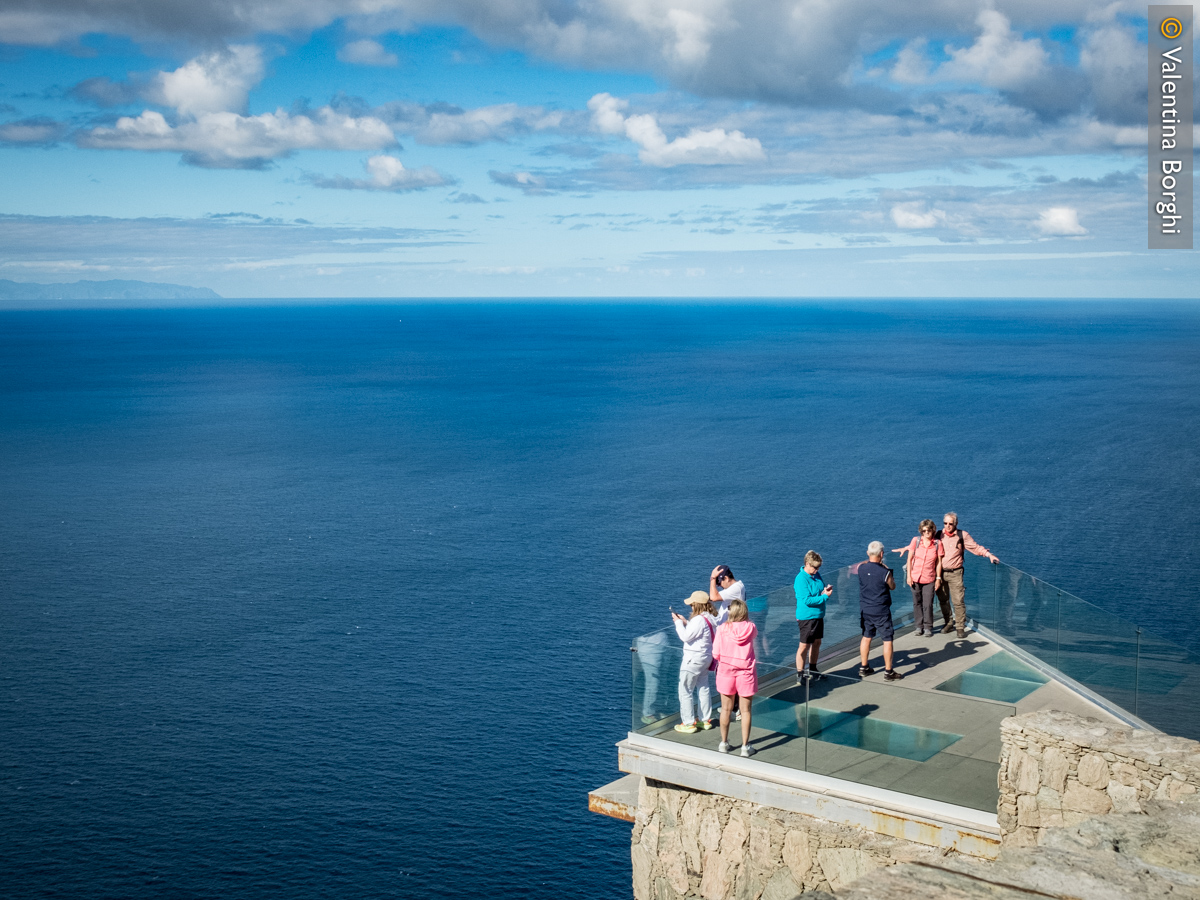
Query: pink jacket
[
  {"x": 922, "y": 561},
  {"x": 734, "y": 646}
]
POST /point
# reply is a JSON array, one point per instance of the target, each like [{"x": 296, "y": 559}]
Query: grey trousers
[{"x": 923, "y": 606}]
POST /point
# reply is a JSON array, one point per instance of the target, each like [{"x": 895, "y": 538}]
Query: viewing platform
[{"x": 918, "y": 759}]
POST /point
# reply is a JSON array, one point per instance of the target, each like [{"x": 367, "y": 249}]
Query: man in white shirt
[{"x": 723, "y": 588}]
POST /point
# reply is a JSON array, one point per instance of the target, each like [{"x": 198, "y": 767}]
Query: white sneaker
[
  {"x": 724, "y": 747},
  {"x": 747, "y": 750}
]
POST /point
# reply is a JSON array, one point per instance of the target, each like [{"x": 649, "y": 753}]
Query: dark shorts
[
  {"x": 811, "y": 629},
  {"x": 877, "y": 624}
]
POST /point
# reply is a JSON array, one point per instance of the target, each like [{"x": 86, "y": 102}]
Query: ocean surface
[{"x": 336, "y": 601}]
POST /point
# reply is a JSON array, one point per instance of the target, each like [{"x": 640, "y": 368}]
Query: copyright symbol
[{"x": 1171, "y": 29}]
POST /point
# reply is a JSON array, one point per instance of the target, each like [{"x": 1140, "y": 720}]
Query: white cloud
[
  {"x": 367, "y": 53},
  {"x": 691, "y": 29},
  {"x": 914, "y": 216},
  {"x": 229, "y": 140},
  {"x": 390, "y": 175},
  {"x": 209, "y": 95},
  {"x": 1114, "y": 60},
  {"x": 386, "y": 173},
  {"x": 442, "y": 123},
  {"x": 607, "y": 113},
  {"x": 713, "y": 147},
  {"x": 474, "y": 126},
  {"x": 1059, "y": 221},
  {"x": 799, "y": 51},
  {"x": 215, "y": 82},
  {"x": 912, "y": 65},
  {"x": 999, "y": 58},
  {"x": 525, "y": 181}
]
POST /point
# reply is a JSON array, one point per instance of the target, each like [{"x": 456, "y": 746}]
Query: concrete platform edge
[
  {"x": 617, "y": 799},
  {"x": 891, "y": 813}
]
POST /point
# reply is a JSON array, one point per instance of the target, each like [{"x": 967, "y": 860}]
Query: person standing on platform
[
  {"x": 723, "y": 589},
  {"x": 697, "y": 634},
  {"x": 875, "y": 586},
  {"x": 737, "y": 677},
  {"x": 952, "y": 590},
  {"x": 811, "y": 594},
  {"x": 924, "y": 574}
]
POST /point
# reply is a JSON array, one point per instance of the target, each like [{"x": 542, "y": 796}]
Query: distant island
[{"x": 103, "y": 290}]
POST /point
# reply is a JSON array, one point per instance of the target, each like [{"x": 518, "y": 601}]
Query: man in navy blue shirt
[{"x": 875, "y": 586}]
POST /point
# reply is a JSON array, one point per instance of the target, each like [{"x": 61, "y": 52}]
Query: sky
[{"x": 581, "y": 148}]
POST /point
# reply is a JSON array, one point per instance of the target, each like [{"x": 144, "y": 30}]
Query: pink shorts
[{"x": 743, "y": 682}]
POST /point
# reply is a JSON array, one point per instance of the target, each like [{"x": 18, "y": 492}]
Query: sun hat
[{"x": 697, "y": 598}]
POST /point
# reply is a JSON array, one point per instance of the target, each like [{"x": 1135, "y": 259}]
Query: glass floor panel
[
  {"x": 852, "y": 730},
  {"x": 1000, "y": 677}
]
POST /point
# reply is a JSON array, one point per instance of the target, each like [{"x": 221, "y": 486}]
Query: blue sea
[{"x": 336, "y": 601}]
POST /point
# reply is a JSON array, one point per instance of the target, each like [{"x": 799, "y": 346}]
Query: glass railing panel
[
  {"x": 777, "y": 689},
  {"x": 1027, "y": 612},
  {"x": 656, "y": 660},
  {"x": 1097, "y": 649},
  {"x": 980, "y": 589},
  {"x": 866, "y": 730},
  {"x": 774, "y": 615},
  {"x": 1146, "y": 675},
  {"x": 1168, "y": 686}
]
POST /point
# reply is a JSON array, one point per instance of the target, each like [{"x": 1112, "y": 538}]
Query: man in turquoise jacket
[{"x": 811, "y": 594}]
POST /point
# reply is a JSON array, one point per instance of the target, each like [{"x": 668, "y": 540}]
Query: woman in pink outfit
[{"x": 733, "y": 650}]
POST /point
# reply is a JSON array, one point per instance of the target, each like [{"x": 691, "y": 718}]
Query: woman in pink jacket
[
  {"x": 924, "y": 574},
  {"x": 733, "y": 650}
]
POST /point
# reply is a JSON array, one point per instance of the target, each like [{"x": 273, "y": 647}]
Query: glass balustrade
[
  {"x": 1153, "y": 678},
  {"x": 865, "y": 730},
  {"x": 939, "y": 739}
]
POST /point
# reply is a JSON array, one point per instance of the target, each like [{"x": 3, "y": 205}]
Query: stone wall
[
  {"x": 1087, "y": 809},
  {"x": 1057, "y": 769},
  {"x": 1117, "y": 856},
  {"x": 691, "y": 844}
]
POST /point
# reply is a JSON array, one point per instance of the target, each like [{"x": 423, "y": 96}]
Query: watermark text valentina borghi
[{"x": 1169, "y": 117}]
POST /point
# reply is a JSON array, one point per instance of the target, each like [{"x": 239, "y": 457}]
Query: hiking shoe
[
  {"x": 748, "y": 751},
  {"x": 947, "y": 628},
  {"x": 891, "y": 675},
  {"x": 686, "y": 729},
  {"x": 864, "y": 671},
  {"x": 962, "y": 633},
  {"x": 723, "y": 747},
  {"x": 704, "y": 724}
]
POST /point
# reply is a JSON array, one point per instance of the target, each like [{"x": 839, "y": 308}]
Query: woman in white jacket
[{"x": 697, "y": 633}]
